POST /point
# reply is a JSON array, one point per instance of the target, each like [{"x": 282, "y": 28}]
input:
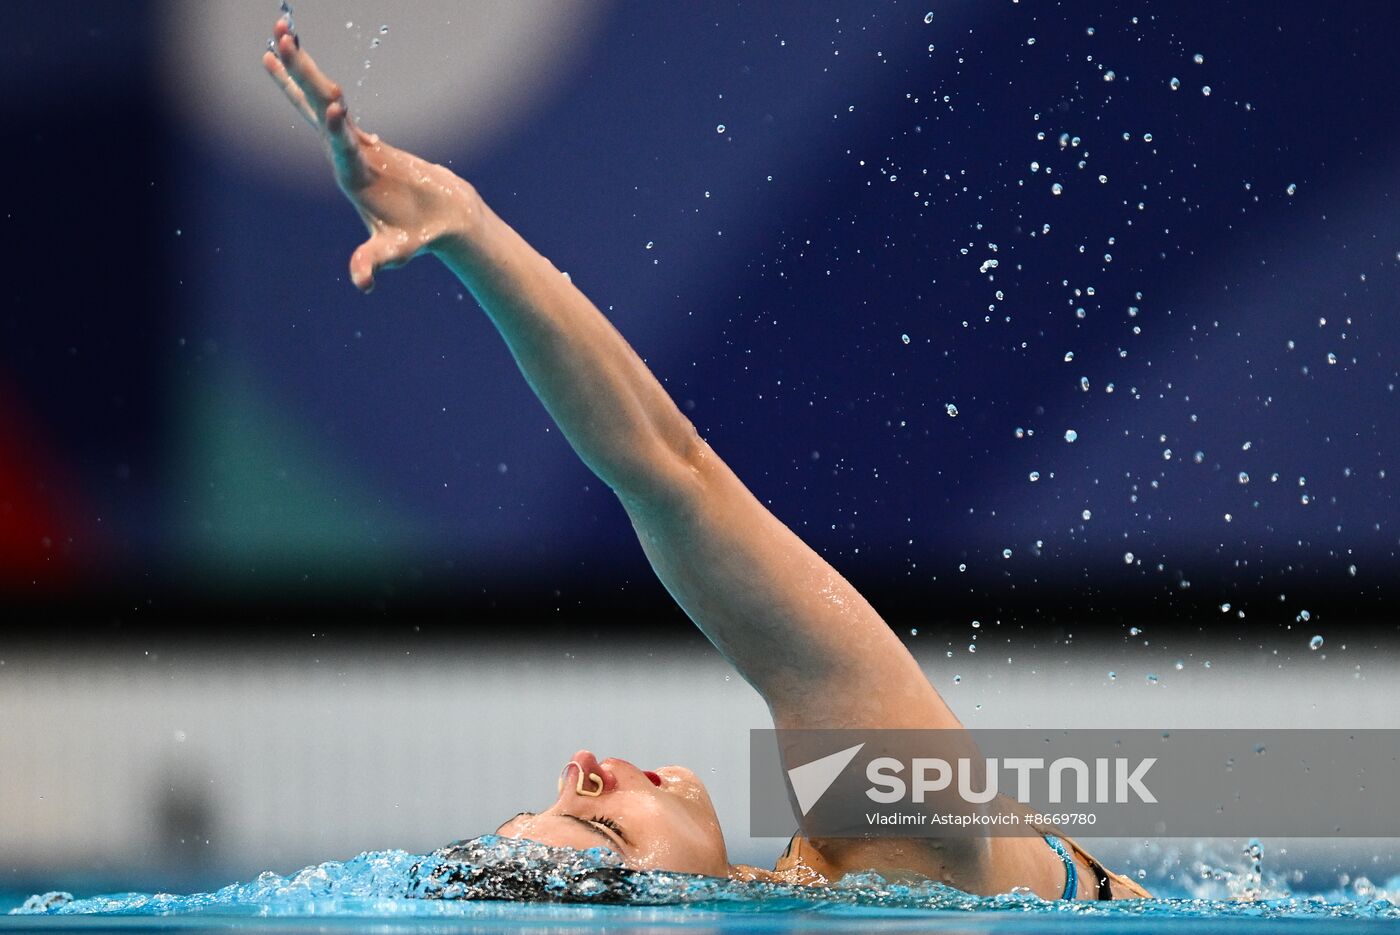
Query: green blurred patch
[{"x": 263, "y": 496}]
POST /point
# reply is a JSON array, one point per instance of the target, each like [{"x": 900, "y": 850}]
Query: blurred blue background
[{"x": 193, "y": 393}]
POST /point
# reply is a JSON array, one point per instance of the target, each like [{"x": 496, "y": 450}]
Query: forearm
[
  {"x": 604, "y": 399},
  {"x": 787, "y": 620}
]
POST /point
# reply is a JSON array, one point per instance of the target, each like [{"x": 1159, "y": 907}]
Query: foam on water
[{"x": 454, "y": 880}]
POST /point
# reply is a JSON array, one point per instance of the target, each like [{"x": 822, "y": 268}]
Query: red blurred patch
[{"x": 36, "y": 527}]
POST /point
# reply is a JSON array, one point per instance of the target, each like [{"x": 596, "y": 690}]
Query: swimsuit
[
  {"x": 1106, "y": 878},
  {"x": 1071, "y": 869}
]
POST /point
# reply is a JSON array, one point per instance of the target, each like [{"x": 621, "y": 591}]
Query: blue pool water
[{"x": 390, "y": 891}]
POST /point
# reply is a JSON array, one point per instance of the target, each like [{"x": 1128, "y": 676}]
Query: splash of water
[{"x": 463, "y": 878}]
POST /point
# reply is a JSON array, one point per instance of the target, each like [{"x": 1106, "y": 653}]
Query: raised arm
[{"x": 792, "y": 626}]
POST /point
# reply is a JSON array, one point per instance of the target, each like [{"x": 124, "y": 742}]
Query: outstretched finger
[
  {"x": 274, "y": 67},
  {"x": 320, "y": 91},
  {"x": 345, "y": 145}
]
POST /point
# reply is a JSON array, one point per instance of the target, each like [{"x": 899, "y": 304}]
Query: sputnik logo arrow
[{"x": 811, "y": 780}]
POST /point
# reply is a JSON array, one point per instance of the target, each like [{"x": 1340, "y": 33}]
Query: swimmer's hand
[{"x": 409, "y": 205}]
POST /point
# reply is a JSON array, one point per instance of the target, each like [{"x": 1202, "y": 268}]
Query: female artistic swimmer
[{"x": 786, "y": 620}]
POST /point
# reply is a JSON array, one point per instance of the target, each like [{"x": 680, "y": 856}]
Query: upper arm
[{"x": 790, "y": 623}]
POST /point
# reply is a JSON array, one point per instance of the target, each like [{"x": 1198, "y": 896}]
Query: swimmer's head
[{"x": 661, "y": 820}]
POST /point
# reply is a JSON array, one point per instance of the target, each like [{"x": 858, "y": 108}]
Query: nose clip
[{"x": 593, "y": 778}]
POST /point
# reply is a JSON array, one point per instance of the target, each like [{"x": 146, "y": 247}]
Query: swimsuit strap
[
  {"x": 1071, "y": 871},
  {"x": 1105, "y": 878}
]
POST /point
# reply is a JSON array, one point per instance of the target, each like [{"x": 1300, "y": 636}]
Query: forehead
[{"x": 558, "y": 830}]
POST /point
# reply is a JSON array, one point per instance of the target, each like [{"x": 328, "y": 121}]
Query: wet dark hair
[{"x": 492, "y": 867}]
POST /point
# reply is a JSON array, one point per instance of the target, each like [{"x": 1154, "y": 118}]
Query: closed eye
[
  {"x": 609, "y": 823},
  {"x": 598, "y": 824},
  {"x": 602, "y": 826}
]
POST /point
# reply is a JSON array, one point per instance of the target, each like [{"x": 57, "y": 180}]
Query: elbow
[{"x": 667, "y": 474}]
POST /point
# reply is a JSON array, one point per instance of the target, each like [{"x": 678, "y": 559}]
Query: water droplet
[
  {"x": 1109, "y": 75},
  {"x": 1292, "y": 189},
  {"x": 1005, "y": 553},
  {"x": 1178, "y": 665},
  {"x": 1069, "y": 356},
  {"x": 1057, "y": 189},
  {"x": 962, "y": 567},
  {"x": 384, "y": 30},
  {"x": 957, "y": 680},
  {"x": 904, "y": 338},
  {"x": 1315, "y": 643},
  {"x": 650, "y": 244},
  {"x": 1071, "y": 435},
  {"x": 928, "y": 17},
  {"x": 913, "y": 631},
  {"x": 1152, "y": 678},
  {"x": 1128, "y": 560},
  {"x": 1198, "y": 58},
  {"x": 1206, "y": 90},
  {"x": 1244, "y": 477},
  {"x": 1304, "y": 616},
  {"x": 719, "y": 128},
  {"x": 1086, "y": 516},
  {"x": 951, "y": 410},
  {"x": 1112, "y": 676},
  {"x": 1175, "y": 84},
  {"x": 1034, "y": 476}
]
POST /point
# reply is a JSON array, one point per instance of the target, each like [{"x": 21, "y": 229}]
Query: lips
[{"x": 654, "y": 777}]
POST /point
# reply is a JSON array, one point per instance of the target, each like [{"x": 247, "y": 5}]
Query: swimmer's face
[{"x": 661, "y": 820}]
